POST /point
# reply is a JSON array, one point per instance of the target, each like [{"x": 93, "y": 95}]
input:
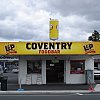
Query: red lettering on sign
[{"x": 49, "y": 51}]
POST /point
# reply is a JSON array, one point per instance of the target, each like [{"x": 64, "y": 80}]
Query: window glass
[
  {"x": 34, "y": 66},
  {"x": 95, "y": 65},
  {"x": 77, "y": 66}
]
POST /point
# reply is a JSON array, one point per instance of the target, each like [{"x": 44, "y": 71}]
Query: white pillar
[
  {"x": 22, "y": 71},
  {"x": 68, "y": 72},
  {"x": 89, "y": 65},
  {"x": 43, "y": 71}
]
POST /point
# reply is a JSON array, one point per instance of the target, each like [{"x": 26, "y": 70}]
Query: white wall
[
  {"x": 68, "y": 78},
  {"x": 75, "y": 78},
  {"x": 43, "y": 74},
  {"x": 23, "y": 70}
]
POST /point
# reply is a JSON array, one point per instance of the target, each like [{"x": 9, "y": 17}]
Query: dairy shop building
[{"x": 54, "y": 62}]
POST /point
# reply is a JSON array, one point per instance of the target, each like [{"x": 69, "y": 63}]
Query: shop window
[
  {"x": 77, "y": 66},
  {"x": 34, "y": 66}
]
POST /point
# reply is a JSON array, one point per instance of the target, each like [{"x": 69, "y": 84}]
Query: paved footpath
[{"x": 46, "y": 91}]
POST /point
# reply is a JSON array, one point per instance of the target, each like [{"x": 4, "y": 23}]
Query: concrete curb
[{"x": 42, "y": 92}]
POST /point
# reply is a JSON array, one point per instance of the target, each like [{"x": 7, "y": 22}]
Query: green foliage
[{"x": 95, "y": 36}]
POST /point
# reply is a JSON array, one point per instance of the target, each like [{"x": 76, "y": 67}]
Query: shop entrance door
[{"x": 55, "y": 71}]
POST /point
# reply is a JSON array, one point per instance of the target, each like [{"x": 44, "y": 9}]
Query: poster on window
[{"x": 77, "y": 66}]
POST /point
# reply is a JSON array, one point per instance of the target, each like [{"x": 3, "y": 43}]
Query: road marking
[
  {"x": 92, "y": 94},
  {"x": 79, "y": 94},
  {"x": 54, "y": 95},
  {"x": 39, "y": 95}
]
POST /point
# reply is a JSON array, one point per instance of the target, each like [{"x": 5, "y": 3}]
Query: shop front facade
[
  {"x": 53, "y": 62},
  {"x": 66, "y": 69}
]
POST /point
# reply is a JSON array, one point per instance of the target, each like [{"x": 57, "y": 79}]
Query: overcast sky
[{"x": 28, "y": 20}]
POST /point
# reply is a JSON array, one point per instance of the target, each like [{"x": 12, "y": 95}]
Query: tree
[{"x": 95, "y": 36}]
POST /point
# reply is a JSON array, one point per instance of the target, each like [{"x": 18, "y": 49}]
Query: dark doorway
[{"x": 55, "y": 71}]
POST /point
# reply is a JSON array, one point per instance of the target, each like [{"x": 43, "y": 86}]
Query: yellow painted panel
[{"x": 49, "y": 48}]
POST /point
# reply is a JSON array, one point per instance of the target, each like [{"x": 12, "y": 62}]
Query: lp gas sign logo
[
  {"x": 10, "y": 49},
  {"x": 89, "y": 48}
]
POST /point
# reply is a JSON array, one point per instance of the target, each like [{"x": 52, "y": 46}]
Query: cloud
[
  {"x": 28, "y": 20},
  {"x": 88, "y": 8},
  {"x": 23, "y": 22}
]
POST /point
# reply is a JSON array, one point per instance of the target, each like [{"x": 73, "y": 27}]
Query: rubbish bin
[
  {"x": 4, "y": 83},
  {"x": 1, "y": 76}
]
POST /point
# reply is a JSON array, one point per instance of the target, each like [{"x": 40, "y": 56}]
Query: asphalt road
[
  {"x": 76, "y": 96},
  {"x": 12, "y": 77}
]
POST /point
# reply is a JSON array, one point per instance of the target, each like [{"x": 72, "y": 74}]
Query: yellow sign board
[
  {"x": 54, "y": 29},
  {"x": 49, "y": 48}
]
